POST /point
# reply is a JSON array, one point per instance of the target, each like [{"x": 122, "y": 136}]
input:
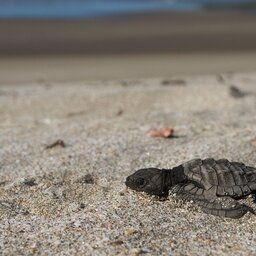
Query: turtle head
[{"x": 150, "y": 181}]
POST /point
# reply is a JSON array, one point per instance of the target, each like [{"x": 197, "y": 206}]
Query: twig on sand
[
  {"x": 56, "y": 143},
  {"x": 236, "y": 92}
]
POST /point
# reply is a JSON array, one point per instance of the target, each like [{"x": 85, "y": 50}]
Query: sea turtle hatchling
[{"x": 215, "y": 185}]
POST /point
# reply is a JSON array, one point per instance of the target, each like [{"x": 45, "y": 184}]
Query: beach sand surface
[{"x": 72, "y": 200}]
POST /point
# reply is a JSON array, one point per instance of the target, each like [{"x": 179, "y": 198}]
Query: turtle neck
[{"x": 172, "y": 177}]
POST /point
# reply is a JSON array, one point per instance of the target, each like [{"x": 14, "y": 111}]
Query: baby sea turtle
[{"x": 215, "y": 185}]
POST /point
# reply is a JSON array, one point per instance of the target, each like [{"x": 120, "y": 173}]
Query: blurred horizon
[
  {"x": 72, "y": 9},
  {"x": 67, "y": 40}
]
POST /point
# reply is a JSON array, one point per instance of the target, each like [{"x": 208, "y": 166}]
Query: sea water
[{"x": 98, "y": 8}]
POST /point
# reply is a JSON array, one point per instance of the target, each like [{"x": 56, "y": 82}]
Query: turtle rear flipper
[
  {"x": 225, "y": 207},
  {"x": 219, "y": 206}
]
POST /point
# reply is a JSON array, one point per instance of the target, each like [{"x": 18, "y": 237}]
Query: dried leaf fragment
[{"x": 164, "y": 133}]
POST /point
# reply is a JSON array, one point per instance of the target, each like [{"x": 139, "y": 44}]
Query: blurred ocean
[{"x": 99, "y": 8}]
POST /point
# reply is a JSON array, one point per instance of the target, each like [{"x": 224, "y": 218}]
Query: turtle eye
[{"x": 141, "y": 183}]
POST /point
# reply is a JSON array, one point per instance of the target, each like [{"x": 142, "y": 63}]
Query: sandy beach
[
  {"x": 98, "y": 87},
  {"x": 72, "y": 200}
]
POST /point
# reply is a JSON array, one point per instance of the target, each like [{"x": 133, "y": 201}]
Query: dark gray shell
[{"x": 221, "y": 177}]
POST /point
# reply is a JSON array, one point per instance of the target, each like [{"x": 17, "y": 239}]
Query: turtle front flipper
[{"x": 219, "y": 206}]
